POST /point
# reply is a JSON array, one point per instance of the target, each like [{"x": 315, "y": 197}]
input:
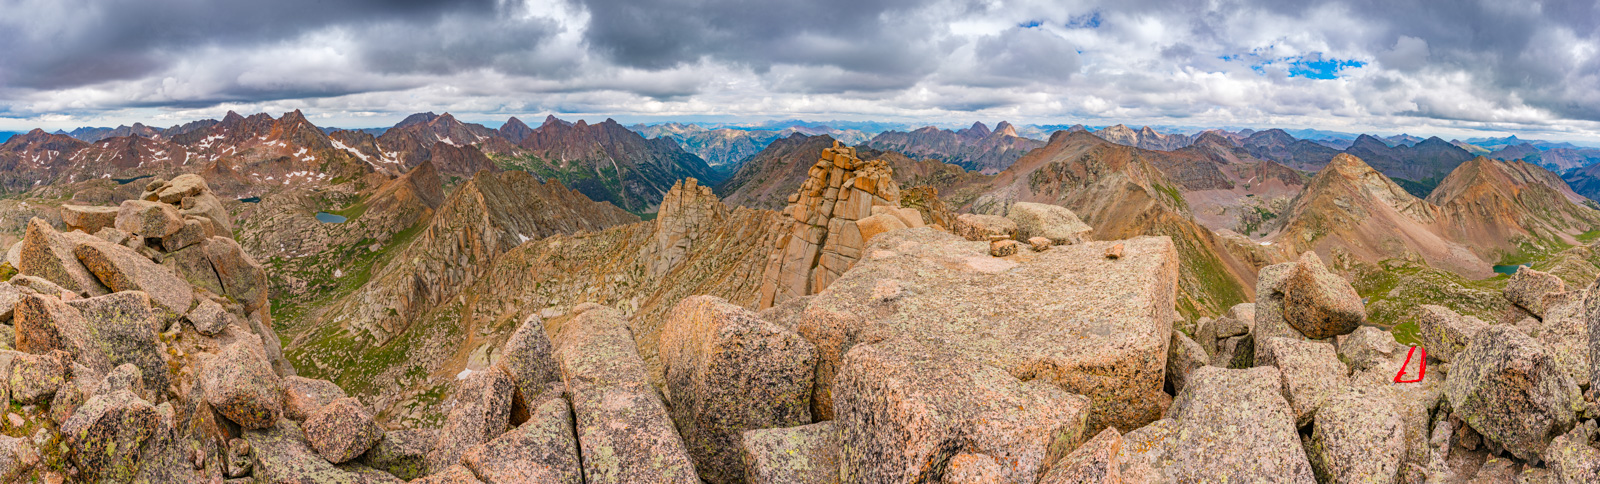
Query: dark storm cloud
[
  {"x": 876, "y": 37},
  {"x": 64, "y": 43}
]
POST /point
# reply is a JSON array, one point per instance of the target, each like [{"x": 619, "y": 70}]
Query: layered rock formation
[{"x": 831, "y": 220}]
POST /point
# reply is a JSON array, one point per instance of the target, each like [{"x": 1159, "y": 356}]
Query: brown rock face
[
  {"x": 623, "y": 429},
  {"x": 47, "y": 254},
  {"x": 904, "y": 410},
  {"x": 341, "y": 430},
  {"x": 148, "y": 218},
  {"x": 1102, "y": 329},
  {"x": 824, "y": 238},
  {"x": 122, "y": 269},
  {"x": 240, "y": 384},
  {"x": 729, "y": 371},
  {"x": 1320, "y": 304},
  {"x": 542, "y": 450},
  {"x": 804, "y": 454},
  {"x": 89, "y": 219}
]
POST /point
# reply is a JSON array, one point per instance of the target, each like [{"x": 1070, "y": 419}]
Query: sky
[{"x": 1463, "y": 68}]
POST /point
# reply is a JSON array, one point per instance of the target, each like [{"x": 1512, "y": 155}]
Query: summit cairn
[{"x": 831, "y": 219}]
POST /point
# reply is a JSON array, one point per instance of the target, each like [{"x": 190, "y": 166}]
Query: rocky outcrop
[
  {"x": 906, "y": 410},
  {"x": 1234, "y": 425},
  {"x": 728, "y": 371},
  {"x": 830, "y": 221},
  {"x": 1507, "y": 387},
  {"x": 1052, "y": 222},
  {"x": 623, "y": 429}
]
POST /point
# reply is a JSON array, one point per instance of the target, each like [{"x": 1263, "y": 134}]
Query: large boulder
[
  {"x": 1320, "y": 304},
  {"x": 341, "y": 430},
  {"x": 185, "y": 185},
  {"x": 107, "y": 435},
  {"x": 1235, "y": 426},
  {"x": 1415, "y": 402},
  {"x": 44, "y": 324},
  {"x": 239, "y": 383},
  {"x": 283, "y": 456},
  {"x": 1183, "y": 356},
  {"x": 904, "y": 409},
  {"x": 1271, "y": 282},
  {"x": 624, "y": 433},
  {"x": 542, "y": 450},
  {"x": 1094, "y": 462},
  {"x": 1527, "y": 287},
  {"x": 1572, "y": 457},
  {"x": 403, "y": 453},
  {"x": 241, "y": 276},
  {"x": 148, "y": 219},
  {"x": 1310, "y": 372},
  {"x": 527, "y": 358},
  {"x": 304, "y": 396},
  {"x": 17, "y": 457},
  {"x": 47, "y": 254},
  {"x": 481, "y": 412},
  {"x": 1068, "y": 316},
  {"x": 1444, "y": 332},
  {"x": 807, "y": 454},
  {"x": 1367, "y": 347},
  {"x": 122, "y": 269},
  {"x": 1146, "y": 454},
  {"x": 88, "y": 218},
  {"x": 728, "y": 371},
  {"x": 1509, "y": 389},
  {"x": 210, "y": 318},
  {"x": 1358, "y": 437},
  {"x": 122, "y": 329},
  {"x": 1053, "y": 222},
  {"x": 34, "y": 378}
]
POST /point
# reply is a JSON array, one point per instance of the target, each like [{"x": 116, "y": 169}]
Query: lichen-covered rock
[
  {"x": 1183, "y": 356},
  {"x": 979, "y": 227},
  {"x": 1508, "y": 388},
  {"x": 527, "y": 358},
  {"x": 341, "y": 430},
  {"x": 210, "y": 318},
  {"x": 148, "y": 219},
  {"x": 126, "y": 376},
  {"x": 1320, "y": 304},
  {"x": 194, "y": 231},
  {"x": 17, "y": 457},
  {"x": 191, "y": 264},
  {"x": 974, "y": 469},
  {"x": 1052, "y": 222},
  {"x": 1228, "y": 341},
  {"x": 543, "y": 449},
  {"x": 44, "y": 324},
  {"x": 904, "y": 409},
  {"x": 481, "y": 412},
  {"x": 456, "y": 474},
  {"x": 1039, "y": 244},
  {"x": 728, "y": 371},
  {"x": 122, "y": 329},
  {"x": 1444, "y": 332},
  {"x": 1572, "y": 457},
  {"x": 106, "y": 435},
  {"x": 403, "y": 453},
  {"x": 1235, "y": 426},
  {"x": 35, "y": 378},
  {"x": 88, "y": 218},
  {"x": 240, "y": 275},
  {"x": 239, "y": 383},
  {"x": 1146, "y": 453},
  {"x": 1527, "y": 287},
  {"x": 1367, "y": 347},
  {"x": 1271, "y": 281},
  {"x": 624, "y": 433},
  {"x": 1357, "y": 438},
  {"x": 1416, "y": 403},
  {"x": 47, "y": 254},
  {"x": 1066, "y": 317},
  {"x": 122, "y": 269},
  {"x": 1310, "y": 372},
  {"x": 807, "y": 454},
  {"x": 303, "y": 396},
  {"x": 282, "y": 456},
  {"x": 1094, "y": 462}
]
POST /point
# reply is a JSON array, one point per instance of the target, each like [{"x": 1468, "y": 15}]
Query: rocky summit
[{"x": 1073, "y": 319}]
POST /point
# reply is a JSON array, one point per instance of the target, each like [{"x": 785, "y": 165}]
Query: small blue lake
[
  {"x": 125, "y": 181},
  {"x": 1509, "y": 270},
  {"x": 251, "y": 200},
  {"x": 329, "y": 218}
]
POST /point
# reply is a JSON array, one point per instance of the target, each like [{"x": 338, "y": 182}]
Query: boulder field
[{"x": 144, "y": 353}]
